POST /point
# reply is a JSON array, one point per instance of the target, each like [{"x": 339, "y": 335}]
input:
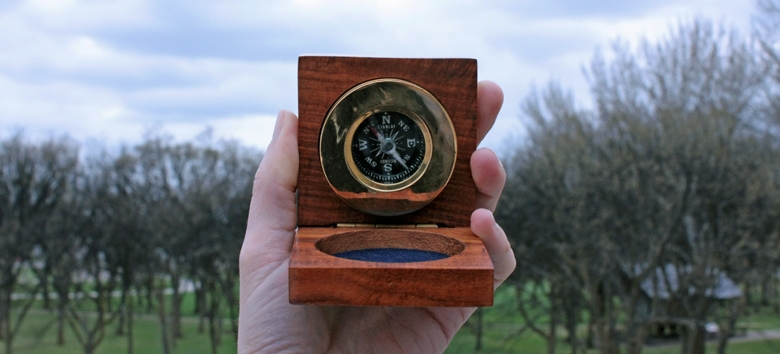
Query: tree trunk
[
  {"x": 120, "y": 328},
  {"x": 89, "y": 347},
  {"x": 3, "y": 317},
  {"x": 766, "y": 291},
  {"x": 589, "y": 342},
  {"x": 61, "y": 321},
  {"x": 139, "y": 298},
  {"x": 723, "y": 341},
  {"x": 215, "y": 321},
  {"x": 5, "y": 321},
  {"x": 202, "y": 306},
  {"x": 45, "y": 285},
  {"x": 233, "y": 318},
  {"x": 149, "y": 295},
  {"x": 176, "y": 308},
  {"x": 638, "y": 334},
  {"x": 62, "y": 309},
  {"x": 162, "y": 316},
  {"x": 478, "y": 333},
  {"x": 213, "y": 334},
  {"x": 728, "y": 330},
  {"x": 693, "y": 339},
  {"x": 552, "y": 340},
  {"x": 197, "y": 308},
  {"x": 606, "y": 345},
  {"x": 604, "y": 323},
  {"x": 232, "y": 301},
  {"x": 130, "y": 327},
  {"x": 571, "y": 312},
  {"x": 9, "y": 340}
]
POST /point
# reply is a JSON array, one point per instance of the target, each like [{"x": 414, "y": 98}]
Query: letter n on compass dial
[{"x": 388, "y": 147}]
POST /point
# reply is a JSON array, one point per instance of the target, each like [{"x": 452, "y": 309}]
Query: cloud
[{"x": 114, "y": 68}]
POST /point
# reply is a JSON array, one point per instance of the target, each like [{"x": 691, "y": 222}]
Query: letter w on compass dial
[{"x": 388, "y": 147}]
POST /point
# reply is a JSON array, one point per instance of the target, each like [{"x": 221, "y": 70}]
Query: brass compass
[{"x": 387, "y": 147}]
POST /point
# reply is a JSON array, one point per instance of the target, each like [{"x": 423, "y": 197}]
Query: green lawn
[
  {"x": 495, "y": 341},
  {"x": 501, "y": 323},
  {"x": 147, "y": 338}
]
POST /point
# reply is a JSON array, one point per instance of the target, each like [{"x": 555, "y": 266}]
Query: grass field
[
  {"x": 498, "y": 341},
  {"x": 502, "y": 322},
  {"x": 147, "y": 341},
  {"x": 146, "y": 338},
  {"x": 500, "y": 326}
]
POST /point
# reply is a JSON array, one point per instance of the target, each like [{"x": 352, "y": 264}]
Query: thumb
[{"x": 272, "y": 211}]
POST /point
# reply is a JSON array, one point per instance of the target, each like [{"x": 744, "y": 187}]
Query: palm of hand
[{"x": 267, "y": 321}]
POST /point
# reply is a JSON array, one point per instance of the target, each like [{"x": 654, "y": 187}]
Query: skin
[{"x": 267, "y": 321}]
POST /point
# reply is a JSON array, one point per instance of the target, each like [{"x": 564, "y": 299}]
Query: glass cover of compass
[{"x": 387, "y": 147}]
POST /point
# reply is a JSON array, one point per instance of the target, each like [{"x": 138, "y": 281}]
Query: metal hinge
[{"x": 387, "y": 226}]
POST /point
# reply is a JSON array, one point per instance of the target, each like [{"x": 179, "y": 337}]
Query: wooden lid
[{"x": 322, "y": 80}]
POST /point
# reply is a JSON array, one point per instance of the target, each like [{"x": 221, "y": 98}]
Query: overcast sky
[{"x": 112, "y": 69}]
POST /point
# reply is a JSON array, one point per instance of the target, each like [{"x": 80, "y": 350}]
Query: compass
[
  {"x": 384, "y": 146},
  {"x": 387, "y": 147},
  {"x": 387, "y": 150}
]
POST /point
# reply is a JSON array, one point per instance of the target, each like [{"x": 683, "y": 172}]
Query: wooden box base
[{"x": 318, "y": 278}]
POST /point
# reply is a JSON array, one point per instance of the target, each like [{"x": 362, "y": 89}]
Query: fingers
[
  {"x": 272, "y": 211},
  {"x": 489, "y": 176},
  {"x": 484, "y": 226},
  {"x": 489, "y": 101}
]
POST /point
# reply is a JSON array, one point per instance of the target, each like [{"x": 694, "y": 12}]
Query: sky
[{"x": 112, "y": 70}]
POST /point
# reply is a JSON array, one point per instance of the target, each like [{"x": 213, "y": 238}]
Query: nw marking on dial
[{"x": 388, "y": 147}]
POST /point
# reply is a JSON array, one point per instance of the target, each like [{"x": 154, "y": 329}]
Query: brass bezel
[
  {"x": 340, "y": 124},
  {"x": 388, "y": 187}
]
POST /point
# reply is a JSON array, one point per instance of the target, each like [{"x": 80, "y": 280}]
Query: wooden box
[{"x": 315, "y": 276}]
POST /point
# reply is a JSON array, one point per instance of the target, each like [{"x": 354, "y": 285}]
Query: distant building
[{"x": 665, "y": 283}]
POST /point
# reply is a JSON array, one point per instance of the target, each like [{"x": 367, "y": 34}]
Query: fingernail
[
  {"x": 278, "y": 126},
  {"x": 497, "y": 158},
  {"x": 495, "y": 223}
]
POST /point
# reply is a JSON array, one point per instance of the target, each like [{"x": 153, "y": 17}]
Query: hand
[{"x": 267, "y": 321}]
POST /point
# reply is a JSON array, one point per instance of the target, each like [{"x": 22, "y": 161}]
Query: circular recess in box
[{"x": 390, "y": 246}]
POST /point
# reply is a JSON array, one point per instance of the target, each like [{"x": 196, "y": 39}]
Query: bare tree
[
  {"x": 663, "y": 172},
  {"x": 766, "y": 24},
  {"x": 59, "y": 245},
  {"x": 33, "y": 180},
  {"x": 128, "y": 247}
]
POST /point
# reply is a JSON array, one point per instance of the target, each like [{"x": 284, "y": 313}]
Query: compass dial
[{"x": 388, "y": 147}]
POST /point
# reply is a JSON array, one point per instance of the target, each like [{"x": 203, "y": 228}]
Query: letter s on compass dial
[{"x": 388, "y": 147}]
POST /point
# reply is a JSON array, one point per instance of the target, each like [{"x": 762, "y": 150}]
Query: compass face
[{"x": 388, "y": 147}]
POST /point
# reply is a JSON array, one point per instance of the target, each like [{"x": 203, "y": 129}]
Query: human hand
[{"x": 267, "y": 321}]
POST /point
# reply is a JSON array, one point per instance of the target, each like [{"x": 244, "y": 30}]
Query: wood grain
[
  {"x": 322, "y": 80},
  {"x": 465, "y": 279}
]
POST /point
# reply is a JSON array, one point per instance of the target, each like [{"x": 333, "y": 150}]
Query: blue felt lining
[{"x": 391, "y": 255}]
